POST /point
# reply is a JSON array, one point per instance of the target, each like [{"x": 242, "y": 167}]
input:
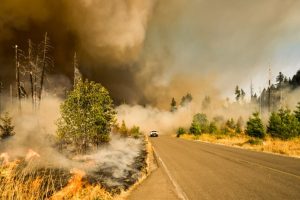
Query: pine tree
[
  {"x": 237, "y": 93},
  {"x": 283, "y": 124},
  {"x": 6, "y": 127},
  {"x": 123, "y": 129},
  {"x": 255, "y": 127},
  {"x": 173, "y": 105},
  {"x": 297, "y": 112}
]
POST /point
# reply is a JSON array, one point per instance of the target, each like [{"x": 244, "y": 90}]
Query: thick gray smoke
[{"x": 148, "y": 51}]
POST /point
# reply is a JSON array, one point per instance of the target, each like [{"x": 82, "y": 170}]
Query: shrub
[
  {"x": 212, "y": 128},
  {"x": 230, "y": 124},
  {"x": 255, "y": 127},
  {"x": 180, "y": 131},
  {"x": 123, "y": 129},
  {"x": 283, "y": 124},
  {"x": 135, "y": 132}
]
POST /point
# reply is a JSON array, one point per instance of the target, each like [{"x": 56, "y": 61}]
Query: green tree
[
  {"x": 280, "y": 78},
  {"x": 200, "y": 124},
  {"x": 173, "y": 105},
  {"x": 87, "y": 116},
  {"x": 255, "y": 127},
  {"x": 123, "y": 129},
  {"x": 180, "y": 131},
  {"x": 185, "y": 100},
  {"x": 6, "y": 127},
  {"x": 243, "y": 94},
  {"x": 283, "y": 124},
  {"x": 237, "y": 93},
  {"x": 297, "y": 112},
  {"x": 230, "y": 124},
  {"x": 212, "y": 127},
  {"x": 135, "y": 132}
]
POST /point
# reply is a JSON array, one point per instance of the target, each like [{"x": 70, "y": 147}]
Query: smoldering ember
[{"x": 149, "y": 99}]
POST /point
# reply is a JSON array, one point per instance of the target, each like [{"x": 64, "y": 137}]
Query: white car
[{"x": 153, "y": 134}]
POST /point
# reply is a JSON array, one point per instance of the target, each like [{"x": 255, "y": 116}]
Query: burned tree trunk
[
  {"x": 44, "y": 66},
  {"x": 30, "y": 71},
  {"x": 18, "y": 77}
]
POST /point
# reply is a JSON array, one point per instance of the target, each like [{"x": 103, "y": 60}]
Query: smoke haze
[{"x": 149, "y": 51}]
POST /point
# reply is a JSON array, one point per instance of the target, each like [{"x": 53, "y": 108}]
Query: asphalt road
[{"x": 208, "y": 171}]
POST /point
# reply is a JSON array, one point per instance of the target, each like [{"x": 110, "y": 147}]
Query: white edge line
[{"x": 180, "y": 193}]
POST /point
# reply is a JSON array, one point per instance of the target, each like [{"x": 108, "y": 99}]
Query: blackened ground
[{"x": 105, "y": 175}]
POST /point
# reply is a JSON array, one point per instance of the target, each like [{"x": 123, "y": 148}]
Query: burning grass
[
  {"x": 30, "y": 178},
  {"x": 288, "y": 147}
]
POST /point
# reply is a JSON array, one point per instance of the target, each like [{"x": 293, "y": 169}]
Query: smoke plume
[{"x": 137, "y": 48}]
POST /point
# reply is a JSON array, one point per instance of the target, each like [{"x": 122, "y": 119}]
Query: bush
[
  {"x": 123, "y": 129},
  {"x": 135, "y": 132},
  {"x": 283, "y": 125},
  {"x": 212, "y": 128},
  {"x": 230, "y": 124},
  {"x": 200, "y": 124},
  {"x": 180, "y": 131},
  {"x": 6, "y": 127},
  {"x": 255, "y": 127}
]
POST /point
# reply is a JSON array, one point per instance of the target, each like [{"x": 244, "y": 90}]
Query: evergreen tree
[
  {"x": 280, "y": 79},
  {"x": 6, "y": 127},
  {"x": 180, "y": 131},
  {"x": 237, "y": 93},
  {"x": 87, "y": 116},
  {"x": 185, "y": 100},
  {"x": 173, "y": 105},
  {"x": 255, "y": 127},
  {"x": 297, "y": 112},
  {"x": 123, "y": 129},
  {"x": 230, "y": 123},
  {"x": 243, "y": 94},
  {"x": 212, "y": 127},
  {"x": 283, "y": 124}
]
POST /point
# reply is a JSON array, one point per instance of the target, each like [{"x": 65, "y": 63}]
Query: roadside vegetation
[
  {"x": 93, "y": 156},
  {"x": 280, "y": 135}
]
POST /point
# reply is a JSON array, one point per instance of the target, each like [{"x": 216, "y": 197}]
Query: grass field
[{"x": 289, "y": 147}]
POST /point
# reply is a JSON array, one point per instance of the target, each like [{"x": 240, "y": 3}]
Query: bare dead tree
[
  {"x": 30, "y": 71},
  {"x": 46, "y": 60},
  {"x": 77, "y": 74},
  {"x": 18, "y": 76}
]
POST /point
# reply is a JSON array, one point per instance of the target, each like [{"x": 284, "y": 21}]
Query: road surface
[{"x": 200, "y": 170}]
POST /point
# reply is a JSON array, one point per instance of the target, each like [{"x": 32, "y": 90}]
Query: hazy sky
[
  {"x": 233, "y": 41},
  {"x": 151, "y": 50}
]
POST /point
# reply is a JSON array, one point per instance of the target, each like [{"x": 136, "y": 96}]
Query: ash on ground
[{"x": 118, "y": 165}]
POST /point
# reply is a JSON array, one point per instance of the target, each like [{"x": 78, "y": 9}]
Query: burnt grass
[
  {"x": 103, "y": 175},
  {"x": 53, "y": 178}
]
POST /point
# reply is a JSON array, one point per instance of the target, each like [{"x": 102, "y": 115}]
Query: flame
[
  {"x": 5, "y": 158},
  {"x": 31, "y": 155},
  {"x": 75, "y": 184}
]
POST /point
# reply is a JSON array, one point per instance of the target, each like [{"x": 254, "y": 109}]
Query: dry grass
[
  {"x": 18, "y": 182},
  {"x": 289, "y": 147}
]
